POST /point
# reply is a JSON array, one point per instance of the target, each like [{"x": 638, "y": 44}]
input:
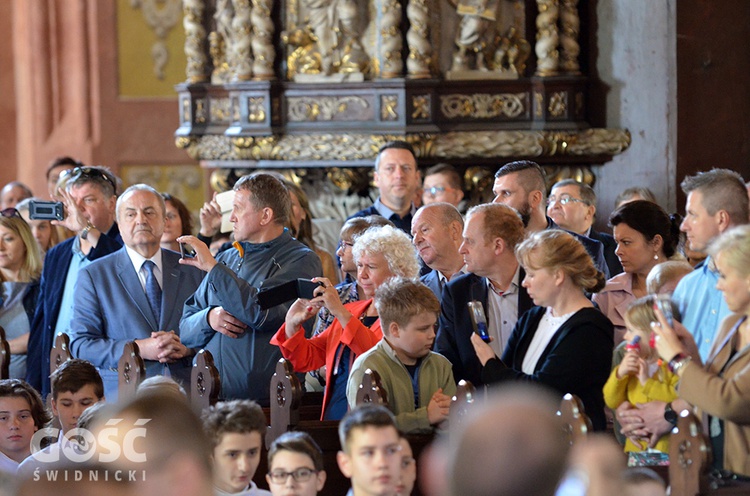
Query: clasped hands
[{"x": 163, "y": 347}]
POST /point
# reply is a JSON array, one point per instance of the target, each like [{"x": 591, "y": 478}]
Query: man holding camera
[{"x": 90, "y": 194}]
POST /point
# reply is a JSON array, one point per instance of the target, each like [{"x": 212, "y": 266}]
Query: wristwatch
[
  {"x": 670, "y": 415},
  {"x": 85, "y": 232}
]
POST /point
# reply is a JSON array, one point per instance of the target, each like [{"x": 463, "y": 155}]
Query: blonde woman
[
  {"x": 564, "y": 342},
  {"x": 20, "y": 269}
]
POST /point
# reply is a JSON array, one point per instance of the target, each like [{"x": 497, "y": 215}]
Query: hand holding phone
[
  {"x": 478, "y": 319},
  {"x": 185, "y": 252},
  {"x": 664, "y": 303}
]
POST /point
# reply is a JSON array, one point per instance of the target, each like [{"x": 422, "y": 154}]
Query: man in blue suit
[
  {"x": 90, "y": 196},
  {"x": 437, "y": 234},
  {"x": 490, "y": 236},
  {"x": 135, "y": 294}
]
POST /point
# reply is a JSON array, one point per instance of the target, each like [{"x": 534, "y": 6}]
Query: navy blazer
[
  {"x": 403, "y": 223},
  {"x": 111, "y": 309},
  {"x": 610, "y": 245},
  {"x": 51, "y": 287},
  {"x": 454, "y": 335},
  {"x": 432, "y": 281},
  {"x": 577, "y": 360}
]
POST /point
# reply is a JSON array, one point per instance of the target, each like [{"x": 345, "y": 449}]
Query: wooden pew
[
  {"x": 690, "y": 462},
  {"x": 370, "y": 390},
  {"x": 205, "y": 383},
  {"x": 60, "y": 351},
  {"x": 131, "y": 371},
  {"x": 577, "y": 424},
  {"x": 4, "y": 356}
]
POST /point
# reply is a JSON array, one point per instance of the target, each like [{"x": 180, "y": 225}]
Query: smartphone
[
  {"x": 478, "y": 319},
  {"x": 45, "y": 210},
  {"x": 226, "y": 201},
  {"x": 185, "y": 251},
  {"x": 306, "y": 288},
  {"x": 664, "y": 302}
]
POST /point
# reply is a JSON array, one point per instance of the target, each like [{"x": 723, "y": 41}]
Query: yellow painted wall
[{"x": 135, "y": 38}]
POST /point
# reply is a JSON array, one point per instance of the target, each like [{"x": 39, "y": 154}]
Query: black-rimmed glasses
[{"x": 302, "y": 474}]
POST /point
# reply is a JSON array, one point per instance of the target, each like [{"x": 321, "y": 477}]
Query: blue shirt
[
  {"x": 78, "y": 262},
  {"x": 701, "y": 305}
]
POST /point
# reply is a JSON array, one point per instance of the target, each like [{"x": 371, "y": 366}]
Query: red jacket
[{"x": 311, "y": 354}]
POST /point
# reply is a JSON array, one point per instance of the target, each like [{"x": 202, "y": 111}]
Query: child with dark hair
[
  {"x": 235, "y": 430},
  {"x": 295, "y": 465},
  {"x": 22, "y": 413}
]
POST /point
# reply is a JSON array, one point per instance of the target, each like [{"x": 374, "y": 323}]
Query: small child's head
[
  {"x": 638, "y": 318},
  {"x": 408, "y": 468},
  {"x": 371, "y": 453},
  {"x": 408, "y": 313},
  {"x": 160, "y": 384},
  {"x": 295, "y": 465},
  {"x": 663, "y": 277},
  {"x": 76, "y": 385},
  {"x": 641, "y": 481},
  {"x": 22, "y": 413},
  {"x": 235, "y": 430}
]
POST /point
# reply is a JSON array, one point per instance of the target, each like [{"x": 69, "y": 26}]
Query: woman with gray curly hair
[{"x": 380, "y": 253}]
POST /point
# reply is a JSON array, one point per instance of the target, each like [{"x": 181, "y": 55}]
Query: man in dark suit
[
  {"x": 490, "y": 236},
  {"x": 136, "y": 293},
  {"x": 437, "y": 234},
  {"x": 90, "y": 196},
  {"x": 572, "y": 205},
  {"x": 397, "y": 178},
  {"x": 521, "y": 185}
]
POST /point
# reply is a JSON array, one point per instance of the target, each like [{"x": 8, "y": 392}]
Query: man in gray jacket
[{"x": 223, "y": 316}]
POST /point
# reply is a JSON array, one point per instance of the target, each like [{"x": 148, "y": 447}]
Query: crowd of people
[{"x": 520, "y": 297}]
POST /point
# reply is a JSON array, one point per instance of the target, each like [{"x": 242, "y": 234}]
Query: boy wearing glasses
[
  {"x": 295, "y": 465},
  {"x": 370, "y": 451},
  {"x": 235, "y": 429}
]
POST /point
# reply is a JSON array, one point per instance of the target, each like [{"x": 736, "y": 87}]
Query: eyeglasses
[
  {"x": 302, "y": 474},
  {"x": 435, "y": 190},
  {"x": 10, "y": 212},
  {"x": 343, "y": 245},
  {"x": 564, "y": 200},
  {"x": 77, "y": 173}
]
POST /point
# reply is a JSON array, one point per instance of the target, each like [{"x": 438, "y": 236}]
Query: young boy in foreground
[
  {"x": 21, "y": 415},
  {"x": 370, "y": 451},
  {"x": 76, "y": 386},
  {"x": 419, "y": 382},
  {"x": 235, "y": 429}
]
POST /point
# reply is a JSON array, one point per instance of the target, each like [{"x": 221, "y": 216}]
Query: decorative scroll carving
[
  {"x": 256, "y": 110},
  {"x": 558, "y": 104},
  {"x": 262, "y": 39},
  {"x": 391, "y": 65},
  {"x": 421, "y": 104},
  {"x": 221, "y": 109},
  {"x": 446, "y": 146},
  {"x": 161, "y": 16},
  {"x": 547, "y": 38},
  {"x": 482, "y": 105},
  {"x": 388, "y": 105},
  {"x": 309, "y": 109},
  {"x": 418, "y": 41},
  {"x": 195, "y": 41},
  {"x": 539, "y": 105},
  {"x": 570, "y": 28}
]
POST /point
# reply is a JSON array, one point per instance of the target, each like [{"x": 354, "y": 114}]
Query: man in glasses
[
  {"x": 442, "y": 183},
  {"x": 572, "y": 206},
  {"x": 136, "y": 294},
  {"x": 90, "y": 195}
]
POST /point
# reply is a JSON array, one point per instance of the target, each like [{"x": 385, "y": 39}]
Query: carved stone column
[
  {"x": 570, "y": 28},
  {"x": 242, "y": 56},
  {"x": 391, "y": 65},
  {"x": 417, "y": 38},
  {"x": 547, "y": 38},
  {"x": 262, "y": 39},
  {"x": 195, "y": 41}
]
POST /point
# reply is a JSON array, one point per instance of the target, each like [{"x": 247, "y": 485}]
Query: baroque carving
[
  {"x": 195, "y": 41},
  {"x": 475, "y": 32},
  {"x": 256, "y": 110},
  {"x": 220, "y": 109},
  {"x": 388, "y": 105},
  {"x": 421, "y": 104},
  {"x": 570, "y": 28},
  {"x": 242, "y": 50},
  {"x": 558, "y": 104},
  {"x": 547, "y": 38},
  {"x": 200, "y": 111},
  {"x": 309, "y": 109},
  {"x": 262, "y": 39},
  {"x": 482, "y": 105},
  {"x": 418, "y": 40},
  {"x": 446, "y": 146},
  {"x": 391, "y": 65},
  {"x": 161, "y": 16}
]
